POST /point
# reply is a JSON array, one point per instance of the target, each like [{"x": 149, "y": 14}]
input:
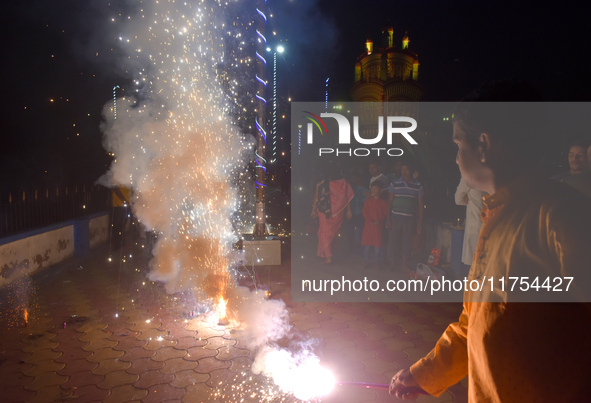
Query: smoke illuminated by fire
[{"x": 176, "y": 147}]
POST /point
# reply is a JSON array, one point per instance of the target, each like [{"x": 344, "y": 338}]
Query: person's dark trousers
[
  {"x": 402, "y": 231},
  {"x": 357, "y": 224},
  {"x": 120, "y": 217}
]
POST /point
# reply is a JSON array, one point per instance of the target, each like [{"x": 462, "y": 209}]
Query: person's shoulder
[{"x": 560, "y": 198}]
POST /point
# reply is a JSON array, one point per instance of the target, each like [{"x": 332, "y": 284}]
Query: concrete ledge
[{"x": 33, "y": 251}]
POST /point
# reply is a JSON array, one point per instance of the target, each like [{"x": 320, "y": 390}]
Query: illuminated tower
[{"x": 386, "y": 73}]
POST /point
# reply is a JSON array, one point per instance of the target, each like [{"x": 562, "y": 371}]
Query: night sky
[{"x": 60, "y": 64}]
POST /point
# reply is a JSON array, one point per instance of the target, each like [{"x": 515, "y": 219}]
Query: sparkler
[{"x": 383, "y": 386}]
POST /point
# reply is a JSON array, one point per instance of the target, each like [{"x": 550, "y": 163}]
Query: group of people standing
[{"x": 385, "y": 217}]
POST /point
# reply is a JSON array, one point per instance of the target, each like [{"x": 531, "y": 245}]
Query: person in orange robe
[{"x": 515, "y": 346}]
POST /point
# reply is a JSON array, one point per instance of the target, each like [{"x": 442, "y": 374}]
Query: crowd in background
[{"x": 379, "y": 208}]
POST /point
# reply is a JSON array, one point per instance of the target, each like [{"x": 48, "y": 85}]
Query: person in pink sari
[{"x": 331, "y": 202}]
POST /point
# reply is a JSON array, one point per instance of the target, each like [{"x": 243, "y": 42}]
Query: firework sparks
[{"x": 181, "y": 154}]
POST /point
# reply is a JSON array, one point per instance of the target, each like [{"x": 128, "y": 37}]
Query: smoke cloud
[{"x": 176, "y": 147}]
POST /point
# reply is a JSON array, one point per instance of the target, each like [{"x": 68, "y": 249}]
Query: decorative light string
[
  {"x": 260, "y": 93},
  {"x": 274, "y": 132},
  {"x": 326, "y": 96},
  {"x": 115, "y": 102}
]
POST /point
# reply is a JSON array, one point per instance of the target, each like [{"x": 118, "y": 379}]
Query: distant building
[{"x": 386, "y": 73}]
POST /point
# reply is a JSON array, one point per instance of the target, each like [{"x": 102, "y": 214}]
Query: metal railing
[{"x": 29, "y": 209}]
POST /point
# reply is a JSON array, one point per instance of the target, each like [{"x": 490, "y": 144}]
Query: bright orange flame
[
  {"x": 222, "y": 307},
  {"x": 26, "y": 316}
]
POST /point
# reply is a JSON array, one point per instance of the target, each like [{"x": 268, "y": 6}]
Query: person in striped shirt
[{"x": 405, "y": 220}]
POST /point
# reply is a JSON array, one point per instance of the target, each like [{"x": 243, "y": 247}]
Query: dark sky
[{"x": 50, "y": 53}]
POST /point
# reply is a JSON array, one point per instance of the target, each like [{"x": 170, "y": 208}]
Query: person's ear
[{"x": 484, "y": 145}]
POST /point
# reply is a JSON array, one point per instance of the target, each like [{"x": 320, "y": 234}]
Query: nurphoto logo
[{"x": 390, "y": 126}]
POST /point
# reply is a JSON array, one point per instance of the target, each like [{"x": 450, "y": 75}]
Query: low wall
[{"x": 33, "y": 251}]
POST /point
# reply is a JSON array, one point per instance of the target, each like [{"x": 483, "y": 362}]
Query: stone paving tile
[
  {"x": 117, "y": 378},
  {"x": 111, "y": 365},
  {"x": 359, "y": 355},
  {"x": 81, "y": 378},
  {"x": 394, "y": 319},
  {"x": 227, "y": 353},
  {"x": 152, "y": 378},
  {"x": 92, "y": 335},
  {"x": 152, "y": 334},
  {"x": 42, "y": 355},
  {"x": 141, "y": 365},
  {"x": 89, "y": 393},
  {"x": 14, "y": 379},
  {"x": 306, "y": 324},
  {"x": 206, "y": 365},
  {"x": 343, "y": 317},
  {"x": 78, "y": 365},
  {"x": 52, "y": 393},
  {"x": 167, "y": 353},
  {"x": 204, "y": 332},
  {"x": 213, "y": 343},
  {"x": 198, "y": 393},
  {"x": 155, "y": 344},
  {"x": 184, "y": 343},
  {"x": 411, "y": 326},
  {"x": 338, "y": 343},
  {"x": 125, "y": 393},
  {"x": 126, "y": 343},
  {"x": 197, "y": 353},
  {"x": 334, "y": 325},
  {"x": 361, "y": 326},
  {"x": 220, "y": 377},
  {"x": 16, "y": 394},
  {"x": 46, "y": 379},
  {"x": 44, "y": 366},
  {"x": 381, "y": 367},
  {"x": 178, "y": 330},
  {"x": 185, "y": 378},
  {"x": 99, "y": 344},
  {"x": 374, "y": 345},
  {"x": 174, "y": 365},
  {"x": 321, "y": 333},
  {"x": 93, "y": 325},
  {"x": 240, "y": 364},
  {"x": 43, "y": 343},
  {"x": 349, "y": 334},
  {"x": 105, "y": 354},
  {"x": 396, "y": 344},
  {"x": 135, "y": 353},
  {"x": 164, "y": 393}
]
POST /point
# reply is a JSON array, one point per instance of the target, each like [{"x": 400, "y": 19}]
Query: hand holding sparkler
[{"x": 404, "y": 386}]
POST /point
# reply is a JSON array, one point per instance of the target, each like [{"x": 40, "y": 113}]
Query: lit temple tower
[{"x": 386, "y": 73}]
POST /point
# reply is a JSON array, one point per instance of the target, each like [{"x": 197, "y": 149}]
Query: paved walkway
[{"x": 78, "y": 346}]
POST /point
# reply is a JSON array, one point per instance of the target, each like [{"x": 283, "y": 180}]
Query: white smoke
[{"x": 177, "y": 149}]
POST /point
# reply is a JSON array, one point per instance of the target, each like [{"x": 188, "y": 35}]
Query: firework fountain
[{"x": 176, "y": 147}]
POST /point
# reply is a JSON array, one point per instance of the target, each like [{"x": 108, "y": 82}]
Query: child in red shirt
[{"x": 375, "y": 211}]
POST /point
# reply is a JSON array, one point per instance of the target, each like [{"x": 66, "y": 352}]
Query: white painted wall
[{"x": 37, "y": 252}]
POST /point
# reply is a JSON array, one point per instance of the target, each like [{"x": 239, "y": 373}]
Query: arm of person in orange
[{"x": 444, "y": 366}]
